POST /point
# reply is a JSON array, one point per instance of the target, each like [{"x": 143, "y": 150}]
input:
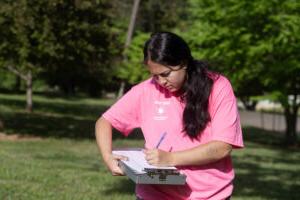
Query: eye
[
  {"x": 165, "y": 74},
  {"x": 155, "y": 77}
]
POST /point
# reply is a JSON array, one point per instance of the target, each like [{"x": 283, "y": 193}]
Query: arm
[
  {"x": 104, "y": 142},
  {"x": 200, "y": 155}
]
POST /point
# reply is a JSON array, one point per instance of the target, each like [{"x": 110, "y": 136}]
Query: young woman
[{"x": 195, "y": 107}]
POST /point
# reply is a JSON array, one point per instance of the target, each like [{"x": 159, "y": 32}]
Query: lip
[{"x": 170, "y": 88}]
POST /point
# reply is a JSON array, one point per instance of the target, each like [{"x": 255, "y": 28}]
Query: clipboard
[{"x": 140, "y": 172}]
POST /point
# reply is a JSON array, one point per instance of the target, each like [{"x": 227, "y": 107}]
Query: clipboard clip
[{"x": 161, "y": 173}]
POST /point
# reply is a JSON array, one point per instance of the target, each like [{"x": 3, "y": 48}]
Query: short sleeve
[
  {"x": 124, "y": 115},
  {"x": 225, "y": 119}
]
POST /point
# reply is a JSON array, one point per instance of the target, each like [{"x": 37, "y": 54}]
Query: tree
[
  {"x": 66, "y": 43},
  {"x": 153, "y": 16},
  {"x": 252, "y": 42},
  {"x": 129, "y": 34},
  {"x": 16, "y": 23},
  {"x": 1, "y": 125},
  {"x": 156, "y": 15},
  {"x": 132, "y": 68},
  {"x": 87, "y": 43}
]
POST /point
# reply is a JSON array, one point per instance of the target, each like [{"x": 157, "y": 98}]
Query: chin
[{"x": 173, "y": 90}]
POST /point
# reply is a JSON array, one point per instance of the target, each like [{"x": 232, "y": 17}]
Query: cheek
[{"x": 178, "y": 81}]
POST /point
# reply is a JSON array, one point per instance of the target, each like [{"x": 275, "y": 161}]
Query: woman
[{"x": 195, "y": 107}]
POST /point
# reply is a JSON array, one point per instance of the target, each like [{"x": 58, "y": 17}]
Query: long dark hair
[{"x": 169, "y": 49}]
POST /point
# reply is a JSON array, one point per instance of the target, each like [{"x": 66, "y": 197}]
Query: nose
[{"x": 162, "y": 81}]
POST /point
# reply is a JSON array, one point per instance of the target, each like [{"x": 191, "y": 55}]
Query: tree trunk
[
  {"x": 132, "y": 22},
  {"x": 128, "y": 40},
  {"x": 28, "y": 79},
  {"x": 291, "y": 116},
  {"x": 121, "y": 89},
  {"x": 1, "y": 125},
  {"x": 248, "y": 104},
  {"x": 29, "y": 92}
]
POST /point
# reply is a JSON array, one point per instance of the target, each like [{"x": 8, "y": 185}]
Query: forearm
[
  {"x": 104, "y": 137},
  {"x": 203, "y": 154}
]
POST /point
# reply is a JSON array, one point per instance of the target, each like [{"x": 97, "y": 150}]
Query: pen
[{"x": 161, "y": 139}]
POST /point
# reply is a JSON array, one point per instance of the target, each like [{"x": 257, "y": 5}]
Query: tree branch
[{"x": 15, "y": 71}]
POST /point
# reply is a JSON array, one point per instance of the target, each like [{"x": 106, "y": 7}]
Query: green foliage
[
  {"x": 250, "y": 41},
  {"x": 67, "y": 43},
  {"x": 153, "y": 15},
  {"x": 156, "y": 15},
  {"x": 132, "y": 69},
  {"x": 256, "y": 44},
  {"x": 7, "y": 79}
]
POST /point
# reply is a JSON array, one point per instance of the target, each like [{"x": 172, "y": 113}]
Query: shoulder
[
  {"x": 143, "y": 87},
  {"x": 221, "y": 87},
  {"x": 220, "y": 81}
]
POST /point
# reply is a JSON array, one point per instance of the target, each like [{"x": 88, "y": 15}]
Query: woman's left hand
[{"x": 158, "y": 157}]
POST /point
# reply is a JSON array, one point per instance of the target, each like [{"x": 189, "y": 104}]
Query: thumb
[{"x": 121, "y": 157}]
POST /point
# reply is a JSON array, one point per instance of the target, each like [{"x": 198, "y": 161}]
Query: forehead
[{"x": 156, "y": 68}]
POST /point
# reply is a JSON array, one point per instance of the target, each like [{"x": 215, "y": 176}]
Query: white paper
[{"x": 136, "y": 160}]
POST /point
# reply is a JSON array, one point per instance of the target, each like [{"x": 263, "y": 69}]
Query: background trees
[
  {"x": 65, "y": 43},
  {"x": 256, "y": 43},
  {"x": 77, "y": 45}
]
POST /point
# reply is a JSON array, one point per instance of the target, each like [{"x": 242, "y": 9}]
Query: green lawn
[{"x": 65, "y": 163}]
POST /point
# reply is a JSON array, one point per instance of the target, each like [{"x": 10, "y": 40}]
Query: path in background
[{"x": 268, "y": 121}]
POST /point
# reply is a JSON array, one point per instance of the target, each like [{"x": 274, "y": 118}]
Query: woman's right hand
[{"x": 112, "y": 164}]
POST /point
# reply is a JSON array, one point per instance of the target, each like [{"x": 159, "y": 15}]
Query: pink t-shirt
[{"x": 155, "y": 111}]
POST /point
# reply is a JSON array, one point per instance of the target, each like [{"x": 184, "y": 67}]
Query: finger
[
  {"x": 146, "y": 151},
  {"x": 120, "y": 157},
  {"x": 150, "y": 151},
  {"x": 149, "y": 156},
  {"x": 153, "y": 162},
  {"x": 117, "y": 172}
]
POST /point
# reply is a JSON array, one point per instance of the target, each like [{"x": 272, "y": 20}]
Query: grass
[
  {"x": 58, "y": 169},
  {"x": 65, "y": 164}
]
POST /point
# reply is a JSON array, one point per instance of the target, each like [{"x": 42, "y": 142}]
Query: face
[{"x": 171, "y": 78}]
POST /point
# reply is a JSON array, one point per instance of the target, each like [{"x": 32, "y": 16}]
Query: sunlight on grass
[{"x": 58, "y": 169}]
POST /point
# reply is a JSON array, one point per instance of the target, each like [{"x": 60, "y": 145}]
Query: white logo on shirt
[{"x": 160, "y": 110}]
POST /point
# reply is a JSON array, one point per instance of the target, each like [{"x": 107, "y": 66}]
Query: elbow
[
  {"x": 98, "y": 124},
  {"x": 222, "y": 150},
  {"x": 227, "y": 150},
  {"x": 102, "y": 125}
]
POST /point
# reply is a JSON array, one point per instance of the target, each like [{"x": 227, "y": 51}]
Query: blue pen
[{"x": 161, "y": 139}]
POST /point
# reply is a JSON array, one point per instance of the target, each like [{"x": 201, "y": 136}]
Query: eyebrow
[{"x": 164, "y": 72}]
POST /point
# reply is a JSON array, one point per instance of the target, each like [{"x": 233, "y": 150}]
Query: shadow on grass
[
  {"x": 52, "y": 126},
  {"x": 72, "y": 108},
  {"x": 261, "y": 136},
  {"x": 51, "y": 119},
  {"x": 267, "y": 176},
  {"x": 47, "y": 126},
  {"x": 255, "y": 180}
]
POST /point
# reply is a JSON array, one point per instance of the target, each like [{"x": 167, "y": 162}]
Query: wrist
[
  {"x": 106, "y": 156},
  {"x": 173, "y": 159}
]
